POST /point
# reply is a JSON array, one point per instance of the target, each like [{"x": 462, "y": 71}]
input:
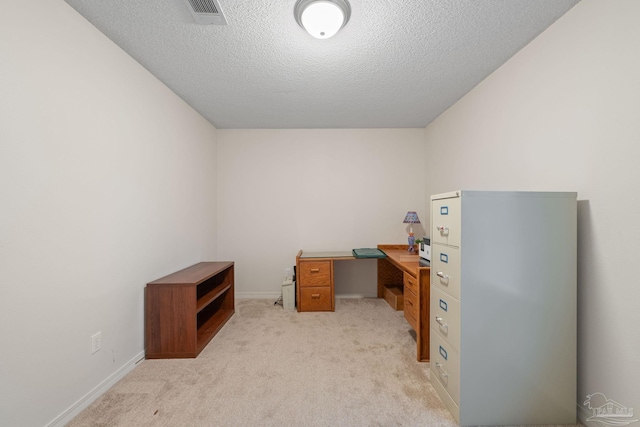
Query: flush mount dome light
[{"x": 322, "y": 18}]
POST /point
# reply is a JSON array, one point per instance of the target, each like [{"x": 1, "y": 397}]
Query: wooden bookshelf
[{"x": 186, "y": 309}]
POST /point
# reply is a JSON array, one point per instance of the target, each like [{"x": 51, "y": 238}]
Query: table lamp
[{"x": 411, "y": 218}]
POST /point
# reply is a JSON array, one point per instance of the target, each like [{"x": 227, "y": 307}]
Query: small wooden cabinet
[
  {"x": 315, "y": 284},
  {"x": 184, "y": 310}
]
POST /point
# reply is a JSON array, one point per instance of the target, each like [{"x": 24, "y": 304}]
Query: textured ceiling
[{"x": 396, "y": 64}]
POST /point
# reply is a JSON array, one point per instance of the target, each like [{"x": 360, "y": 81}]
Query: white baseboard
[
  {"x": 365, "y": 295},
  {"x": 94, "y": 394},
  {"x": 257, "y": 295}
]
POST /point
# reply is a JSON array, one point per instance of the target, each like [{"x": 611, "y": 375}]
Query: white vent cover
[{"x": 206, "y": 12}]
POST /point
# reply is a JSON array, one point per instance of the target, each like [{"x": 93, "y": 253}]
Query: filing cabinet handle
[
  {"x": 442, "y": 229},
  {"x": 441, "y": 370},
  {"x": 315, "y": 296},
  {"x": 440, "y": 322},
  {"x": 315, "y": 270},
  {"x": 441, "y": 275}
]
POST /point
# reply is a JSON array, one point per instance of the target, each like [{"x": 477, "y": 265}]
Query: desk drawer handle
[
  {"x": 315, "y": 270},
  {"x": 315, "y": 296},
  {"x": 442, "y": 372}
]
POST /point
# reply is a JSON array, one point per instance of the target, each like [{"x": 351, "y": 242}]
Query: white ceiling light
[{"x": 322, "y": 18}]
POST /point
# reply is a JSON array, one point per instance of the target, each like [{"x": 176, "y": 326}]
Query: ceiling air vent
[{"x": 206, "y": 12}]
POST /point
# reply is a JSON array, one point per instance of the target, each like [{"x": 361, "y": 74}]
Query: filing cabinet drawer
[
  {"x": 410, "y": 283},
  {"x": 411, "y": 308},
  {"x": 445, "y": 317},
  {"x": 315, "y": 273},
  {"x": 446, "y": 221},
  {"x": 445, "y": 269},
  {"x": 445, "y": 367},
  {"x": 316, "y": 298}
]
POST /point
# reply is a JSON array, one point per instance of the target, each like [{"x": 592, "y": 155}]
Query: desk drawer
[
  {"x": 411, "y": 308},
  {"x": 410, "y": 282},
  {"x": 314, "y": 273},
  {"x": 316, "y": 298}
]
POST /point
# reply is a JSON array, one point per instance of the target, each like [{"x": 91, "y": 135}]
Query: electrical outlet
[{"x": 96, "y": 342}]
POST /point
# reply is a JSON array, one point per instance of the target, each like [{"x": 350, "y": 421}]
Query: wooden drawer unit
[
  {"x": 411, "y": 305},
  {"x": 315, "y": 284},
  {"x": 315, "y": 273},
  {"x": 316, "y": 298},
  {"x": 411, "y": 311}
]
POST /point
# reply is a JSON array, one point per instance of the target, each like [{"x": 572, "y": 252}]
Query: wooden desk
[
  {"x": 314, "y": 276},
  {"x": 400, "y": 269}
]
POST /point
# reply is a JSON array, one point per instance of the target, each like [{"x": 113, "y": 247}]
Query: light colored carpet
[{"x": 270, "y": 367}]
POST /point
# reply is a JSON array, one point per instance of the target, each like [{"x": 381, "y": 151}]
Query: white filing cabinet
[{"x": 503, "y": 306}]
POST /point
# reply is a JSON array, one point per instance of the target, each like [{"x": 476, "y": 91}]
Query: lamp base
[{"x": 412, "y": 243}]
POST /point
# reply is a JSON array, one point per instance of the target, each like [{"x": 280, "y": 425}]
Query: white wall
[
  {"x": 563, "y": 115},
  {"x": 280, "y": 191},
  {"x": 107, "y": 181}
]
